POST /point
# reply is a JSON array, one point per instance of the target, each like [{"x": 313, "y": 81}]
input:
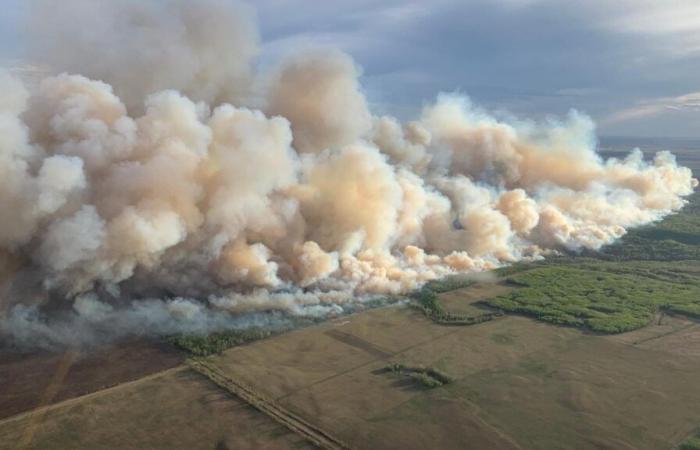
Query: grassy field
[
  {"x": 176, "y": 409},
  {"x": 31, "y": 380},
  {"x": 514, "y": 382}
]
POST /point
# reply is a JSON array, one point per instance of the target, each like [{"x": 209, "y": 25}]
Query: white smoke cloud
[
  {"x": 205, "y": 49},
  {"x": 319, "y": 93},
  {"x": 163, "y": 185}
]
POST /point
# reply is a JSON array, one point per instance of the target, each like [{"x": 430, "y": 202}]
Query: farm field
[
  {"x": 518, "y": 383},
  {"x": 33, "y": 380},
  {"x": 175, "y": 409}
]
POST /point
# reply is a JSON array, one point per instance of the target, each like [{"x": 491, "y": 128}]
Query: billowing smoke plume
[
  {"x": 148, "y": 199},
  {"x": 206, "y": 50}
]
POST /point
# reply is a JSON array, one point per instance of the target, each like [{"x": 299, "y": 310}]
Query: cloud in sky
[
  {"x": 532, "y": 57},
  {"x": 678, "y": 20},
  {"x": 621, "y": 61},
  {"x": 654, "y": 107}
]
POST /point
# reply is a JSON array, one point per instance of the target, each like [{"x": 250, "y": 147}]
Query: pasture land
[
  {"x": 32, "y": 380},
  {"x": 517, "y": 382},
  {"x": 175, "y": 409}
]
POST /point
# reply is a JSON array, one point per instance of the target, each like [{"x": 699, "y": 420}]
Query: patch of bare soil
[{"x": 32, "y": 380}]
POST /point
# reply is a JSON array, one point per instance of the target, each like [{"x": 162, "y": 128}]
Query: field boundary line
[
  {"x": 99, "y": 393},
  {"x": 663, "y": 335},
  {"x": 269, "y": 407},
  {"x": 448, "y": 332},
  {"x": 37, "y": 415}
]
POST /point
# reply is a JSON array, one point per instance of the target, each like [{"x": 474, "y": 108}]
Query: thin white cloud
[
  {"x": 660, "y": 17},
  {"x": 674, "y": 25},
  {"x": 654, "y": 107}
]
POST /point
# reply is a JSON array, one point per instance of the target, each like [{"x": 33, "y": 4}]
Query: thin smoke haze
[{"x": 146, "y": 194}]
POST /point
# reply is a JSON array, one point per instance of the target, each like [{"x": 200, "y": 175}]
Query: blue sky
[{"x": 633, "y": 65}]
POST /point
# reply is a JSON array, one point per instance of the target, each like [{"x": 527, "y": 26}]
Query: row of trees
[
  {"x": 427, "y": 301},
  {"x": 428, "y": 377},
  {"x": 205, "y": 345}
]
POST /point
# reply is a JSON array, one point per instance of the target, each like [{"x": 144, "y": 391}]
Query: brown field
[
  {"x": 176, "y": 409},
  {"x": 686, "y": 342},
  {"x": 461, "y": 301},
  {"x": 663, "y": 325},
  {"x": 518, "y": 384},
  {"x": 32, "y": 380}
]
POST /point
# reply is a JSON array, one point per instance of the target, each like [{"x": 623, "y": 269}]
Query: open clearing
[
  {"x": 30, "y": 380},
  {"x": 176, "y": 409},
  {"x": 462, "y": 301},
  {"x": 518, "y": 383}
]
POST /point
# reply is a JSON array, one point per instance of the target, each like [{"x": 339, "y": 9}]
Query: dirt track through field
[
  {"x": 269, "y": 407},
  {"x": 36, "y": 415},
  {"x": 667, "y": 334}
]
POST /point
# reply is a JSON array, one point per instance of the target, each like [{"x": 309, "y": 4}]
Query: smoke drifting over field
[{"x": 150, "y": 199}]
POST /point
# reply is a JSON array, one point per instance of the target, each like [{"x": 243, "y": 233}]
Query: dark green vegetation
[
  {"x": 427, "y": 301},
  {"x": 204, "y": 345},
  {"x": 427, "y": 377},
  {"x": 600, "y": 297},
  {"x": 217, "y": 342},
  {"x": 692, "y": 443},
  {"x": 449, "y": 283},
  {"x": 651, "y": 271}
]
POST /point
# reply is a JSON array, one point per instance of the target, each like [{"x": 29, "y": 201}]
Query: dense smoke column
[{"x": 151, "y": 200}]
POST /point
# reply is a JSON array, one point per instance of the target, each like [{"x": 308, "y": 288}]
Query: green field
[{"x": 600, "y": 296}]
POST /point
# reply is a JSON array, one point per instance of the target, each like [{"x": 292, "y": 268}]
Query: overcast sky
[{"x": 634, "y": 65}]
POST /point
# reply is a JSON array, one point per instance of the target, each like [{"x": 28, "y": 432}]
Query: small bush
[
  {"x": 426, "y": 376},
  {"x": 692, "y": 443},
  {"x": 437, "y": 374},
  {"x": 425, "y": 380}
]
